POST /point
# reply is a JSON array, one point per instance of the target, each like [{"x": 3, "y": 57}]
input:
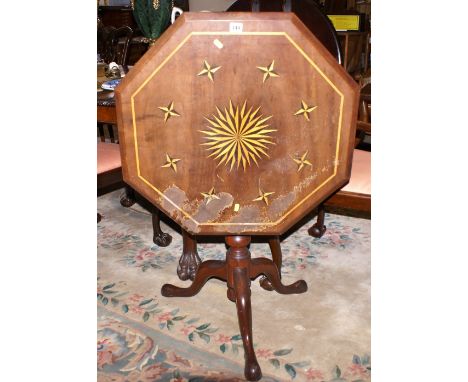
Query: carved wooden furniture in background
[
  {"x": 123, "y": 15},
  {"x": 350, "y": 47},
  {"x": 356, "y": 51},
  {"x": 117, "y": 16},
  {"x": 109, "y": 164},
  {"x": 182, "y": 4},
  {"x": 237, "y": 124},
  {"x": 106, "y": 115},
  {"x": 113, "y": 43},
  {"x": 307, "y": 10},
  {"x": 364, "y": 115}
]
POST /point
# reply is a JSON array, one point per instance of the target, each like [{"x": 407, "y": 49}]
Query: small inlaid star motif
[
  {"x": 305, "y": 110},
  {"x": 210, "y": 195},
  {"x": 171, "y": 162},
  {"x": 263, "y": 196},
  {"x": 169, "y": 111},
  {"x": 268, "y": 71},
  {"x": 302, "y": 162},
  {"x": 208, "y": 71}
]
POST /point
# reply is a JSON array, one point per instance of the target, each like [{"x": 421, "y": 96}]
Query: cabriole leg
[
  {"x": 189, "y": 260},
  {"x": 238, "y": 271},
  {"x": 318, "y": 229},
  {"x": 160, "y": 238}
]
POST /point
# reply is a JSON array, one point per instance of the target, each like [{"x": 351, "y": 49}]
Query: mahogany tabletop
[{"x": 237, "y": 123}]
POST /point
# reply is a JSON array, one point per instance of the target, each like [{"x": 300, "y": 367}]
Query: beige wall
[{"x": 209, "y": 5}]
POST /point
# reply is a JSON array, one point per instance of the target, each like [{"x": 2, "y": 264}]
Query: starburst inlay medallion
[
  {"x": 171, "y": 162},
  {"x": 169, "y": 111},
  {"x": 302, "y": 162},
  {"x": 238, "y": 136},
  {"x": 210, "y": 195},
  {"x": 263, "y": 196},
  {"x": 268, "y": 71},
  {"x": 208, "y": 71},
  {"x": 305, "y": 110}
]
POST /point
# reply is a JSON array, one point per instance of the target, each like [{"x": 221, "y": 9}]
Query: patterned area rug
[{"x": 321, "y": 335}]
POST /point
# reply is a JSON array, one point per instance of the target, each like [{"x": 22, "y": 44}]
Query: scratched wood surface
[{"x": 237, "y": 132}]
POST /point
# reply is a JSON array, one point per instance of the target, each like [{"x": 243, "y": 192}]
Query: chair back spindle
[{"x": 113, "y": 44}]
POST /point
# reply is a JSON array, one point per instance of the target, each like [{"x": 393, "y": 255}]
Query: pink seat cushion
[
  {"x": 360, "y": 181},
  {"x": 108, "y": 157}
]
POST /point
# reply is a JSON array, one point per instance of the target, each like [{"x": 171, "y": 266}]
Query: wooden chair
[
  {"x": 113, "y": 43},
  {"x": 109, "y": 169},
  {"x": 109, "y": 178},
  {"x": 106, "y": 118}
]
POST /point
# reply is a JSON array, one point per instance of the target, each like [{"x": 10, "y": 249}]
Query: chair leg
[
  {"x": 318, "y": 229},
  {"x": 110, "y": 128},
  {"x": 102, "y": 136},
  {"x": 160, "y": 238},
  {"x": 189, "y": 260},
  {"x": 128, "y": 199}
]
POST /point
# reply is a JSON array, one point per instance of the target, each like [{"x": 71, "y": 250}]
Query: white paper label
[
  {"x": 236, "y": 27},
  {"x": 218, "y": 44}
]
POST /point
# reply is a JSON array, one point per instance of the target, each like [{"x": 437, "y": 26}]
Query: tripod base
[{"x": 238, "y": 269}]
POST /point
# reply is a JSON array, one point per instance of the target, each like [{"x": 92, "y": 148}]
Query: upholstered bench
[
  {"x": 356, "y": 194},
  {"x": 109, "y": 166},
  {"x": 108, "y": 157}
]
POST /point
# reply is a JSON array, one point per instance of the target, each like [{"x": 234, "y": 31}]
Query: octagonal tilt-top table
[{"x": 237, "y": 124}]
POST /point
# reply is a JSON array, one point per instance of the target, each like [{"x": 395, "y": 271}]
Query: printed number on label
[{"x": 236, "y": 27}]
